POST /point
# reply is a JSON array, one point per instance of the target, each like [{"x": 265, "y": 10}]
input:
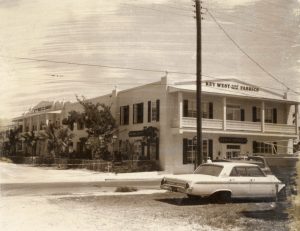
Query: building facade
[{"x": 157, "y": 121}]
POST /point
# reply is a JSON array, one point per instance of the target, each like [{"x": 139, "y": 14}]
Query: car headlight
[
  {"x": 187, "y": 185},
  {"x": 163, "y": 181}
]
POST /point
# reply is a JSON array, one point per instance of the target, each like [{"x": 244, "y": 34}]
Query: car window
[
  {"x": 238, "y": 171},
  {"x": 212, "y": 170},
  {"x": 254, "y": 171}
]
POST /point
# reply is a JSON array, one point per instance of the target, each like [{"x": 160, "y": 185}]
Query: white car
[{"x": 225, "y": 180}]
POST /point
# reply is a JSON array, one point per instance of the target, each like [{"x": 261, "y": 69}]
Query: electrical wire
[{"x": 247, "y": 55}]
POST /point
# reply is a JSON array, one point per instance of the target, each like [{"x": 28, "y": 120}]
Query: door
[
  {"x": 240, "y": 182},
  {"x": 260, "y": 185},
  {"x": 233, "y": 151}
]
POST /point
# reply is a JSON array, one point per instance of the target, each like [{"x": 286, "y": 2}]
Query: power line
[
  {"x": 98, "y": 65},
  {"x": 279, "y": 35},
  {"x": 247, "y": 55}
]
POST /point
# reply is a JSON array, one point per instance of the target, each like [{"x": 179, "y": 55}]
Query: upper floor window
[
  {"x": 80, "y": 125},
  {"x": 124, "y": 115},
  {"x": 270, "y": 115},
  {"x": 138, "y": 113},
  {"x": 190, "y": 109},
  {"x": 153, "y": 110},
  {"x": 235, "y": 112}
]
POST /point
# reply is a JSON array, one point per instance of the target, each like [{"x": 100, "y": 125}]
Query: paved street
[{"x": 96, "y": 206}]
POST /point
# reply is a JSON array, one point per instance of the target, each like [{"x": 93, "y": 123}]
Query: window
[
  {"x": 238, "y": 171},
  {"x": 153, "y": 110},
  {"x": 264, "y": 147},
  {"x": 80, "y": 125},
  {"x": 256, "y": 114},
  {"x": 190, "y": 149},
  {"x": 138, "y": 113},
  {"x": 234, "y": 112},
  {"x": 271, "y": 115},
  {"x": 190, "y": 109},
  {"x": 124, "y": 115},
  {"x": 211, "y": 170},
  {"x": 254, "y": 171}
]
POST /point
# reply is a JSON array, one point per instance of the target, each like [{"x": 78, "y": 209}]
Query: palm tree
[
  {"x": 30, "y": 140},
  {"x": 13, "y": 139},
  {"x": 58, "y": 139}
]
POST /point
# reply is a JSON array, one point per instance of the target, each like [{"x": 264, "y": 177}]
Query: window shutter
[
  {"x": 141, "y": 112},
  {"x": 133, "y": 109},
  {"x": 242, "y": 114},
  {"x": 254, "y": 146},
  {"x": 210, "y": 110},
  {"x": 157, "y": 109},
  {"x": 274, "y": 115},
  {"x": 254, "y": 113},
  {"x": 210, "y": 149},
  {"x": 149, "y": 111},
  {"x": 184, "y": 151},
  {"x": 185, "y": 108}
]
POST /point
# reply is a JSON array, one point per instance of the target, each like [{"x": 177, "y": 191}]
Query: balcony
[{"x": 231, "y": 125}]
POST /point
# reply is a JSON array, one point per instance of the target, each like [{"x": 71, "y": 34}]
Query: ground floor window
[
  {"x": 265, "y": 147},
  {"x": 190, "y": 150}
]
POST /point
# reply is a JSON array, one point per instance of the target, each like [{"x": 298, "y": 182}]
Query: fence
[{"x": 95, "y": 165}]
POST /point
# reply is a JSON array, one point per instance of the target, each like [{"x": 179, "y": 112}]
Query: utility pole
[{"x": 199, "y": 156}]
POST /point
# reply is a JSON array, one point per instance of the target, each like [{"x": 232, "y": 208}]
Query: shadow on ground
[{"x": 183, "y": 201}]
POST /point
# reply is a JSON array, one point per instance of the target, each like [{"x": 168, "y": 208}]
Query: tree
[
  {"x": 13, "y": 139},
  {"x": 30, "y": 140},
  {"x": 100, "y": 125},
  {"x": 58, "y": 140}
]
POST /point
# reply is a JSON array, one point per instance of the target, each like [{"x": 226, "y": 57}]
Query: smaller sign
[
  {"x": 233, "y": 140},
  {"x": 136, "y": 133}
]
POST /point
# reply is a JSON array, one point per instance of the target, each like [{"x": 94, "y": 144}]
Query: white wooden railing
[{"x": 232, "y": 125}]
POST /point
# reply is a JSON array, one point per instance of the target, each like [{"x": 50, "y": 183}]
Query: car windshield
[{"x": 212, "y": 170}]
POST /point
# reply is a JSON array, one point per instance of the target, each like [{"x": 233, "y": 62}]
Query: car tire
[
  {"x": 193, "y": 197},
  {"x": 221, "y": 197}
]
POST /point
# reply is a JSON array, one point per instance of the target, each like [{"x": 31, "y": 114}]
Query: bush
[
  {"x": 4, "y": 159},
  {"x": 126, "y": 189}
]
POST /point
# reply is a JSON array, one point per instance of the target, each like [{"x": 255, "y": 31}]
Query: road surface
[{"x": 42, "y": 202}]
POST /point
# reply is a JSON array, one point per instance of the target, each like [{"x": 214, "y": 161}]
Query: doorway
[{"x": 233, "y": 151}]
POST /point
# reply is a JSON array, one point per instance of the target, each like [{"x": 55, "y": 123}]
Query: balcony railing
[{"x": 232, "y": 125}]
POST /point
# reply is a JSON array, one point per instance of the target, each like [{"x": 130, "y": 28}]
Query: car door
[
  {"x": 260, "y": 184},
  {"x": 239, "y": 182}
]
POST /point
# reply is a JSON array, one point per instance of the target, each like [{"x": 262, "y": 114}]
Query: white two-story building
[{"x": 238, "y": 119}]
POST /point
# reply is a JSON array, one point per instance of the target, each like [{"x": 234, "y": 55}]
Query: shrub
[{"x": 126, "y": 189}]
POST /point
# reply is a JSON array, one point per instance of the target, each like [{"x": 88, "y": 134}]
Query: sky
[{"x": 145, "y": 34}]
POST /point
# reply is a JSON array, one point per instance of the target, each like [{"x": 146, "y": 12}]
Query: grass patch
[{"x": 126, "y": 189}]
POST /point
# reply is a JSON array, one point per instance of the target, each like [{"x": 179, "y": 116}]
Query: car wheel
[
  {"x": 221, "y": 197},
  {"x": 193, "y": 197}
]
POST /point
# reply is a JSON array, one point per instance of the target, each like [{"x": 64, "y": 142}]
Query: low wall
[{"x": 94, "y": 165}]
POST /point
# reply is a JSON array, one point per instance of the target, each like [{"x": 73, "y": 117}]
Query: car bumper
[{"x": 174, "y": 188}]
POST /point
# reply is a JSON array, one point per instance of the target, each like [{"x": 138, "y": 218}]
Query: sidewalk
[{"x": 16, "y": 173}]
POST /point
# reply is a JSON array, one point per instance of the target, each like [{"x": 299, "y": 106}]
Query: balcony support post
[
  {"x": 262, "y": 116},
  {"x": 224, "y": 113},
  {"x": 180, "y": 109}
]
